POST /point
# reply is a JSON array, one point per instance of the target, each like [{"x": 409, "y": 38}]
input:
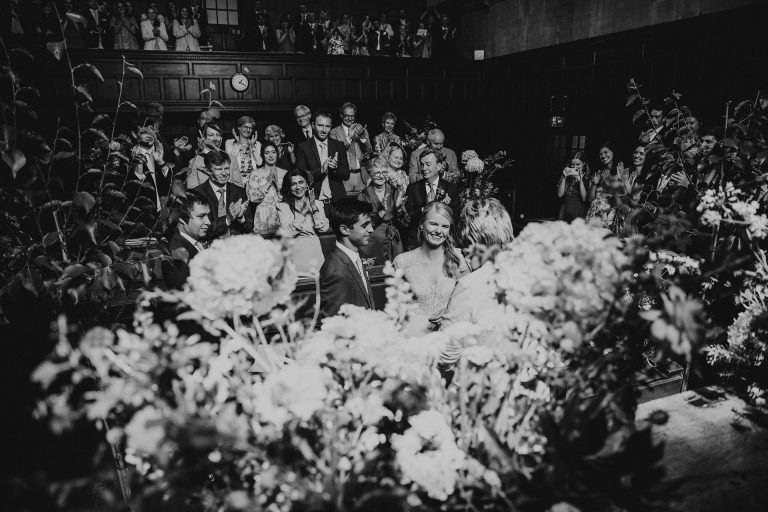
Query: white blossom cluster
[
  {"x": 728, "y": 205},
  {"x": 467, "y": 155},
  {"x": 475, "y": 165}
]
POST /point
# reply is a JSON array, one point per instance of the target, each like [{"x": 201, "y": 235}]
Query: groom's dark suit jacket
[{"x": 340, "y": 283}]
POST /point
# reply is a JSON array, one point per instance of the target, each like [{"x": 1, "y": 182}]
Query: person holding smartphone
[{"x": 571, "y": 188}]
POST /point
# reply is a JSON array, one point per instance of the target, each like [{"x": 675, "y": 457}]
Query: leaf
[
  {"x": 75, "y": 270},
  {"x": 29, "y": 282},
  {"x": 116, "y": 193},
  {"x": 204, "y": 91},
  {"x": 82, "y": 90},
  {"x": 99, "y": 133},
  {"x": 50, "y": 238},
  {"x": 731, "y": 143},
  {"x": 62, "y": 145},
  {"x": 52, "y": 204},
  {"x": 134, "y": 70},
  {"x": 741, "y": 106},
  {"x": 101, "y": 118},
  {"x": 633, "y": 98},
  {"x": 125, "y": 269},
  {"x": 217, "y": 103},
  {"x": 108, "y": 223},
  {"x": 89, "y": 69},
  {"x": 24, "y": 52},
  {"x": 212, "y": 86},
  {"x": 640, "y": 113},
  {"x": 84, "y": 200},
  {"x": 28, "y": 94},
  {"x": 128, "y": 104},
  {"x": 114, "y": 247},
  {"x": 15, "y": 160}
]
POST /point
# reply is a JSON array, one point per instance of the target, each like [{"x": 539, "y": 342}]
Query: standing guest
[
  {"x": 608, "y": 184},
  {"x": 325, "y": 159},
  {"x": 571, "y": 187},
  {"x": 72, "y": 26},
  {"x": 263, "y": 188},
  {"x": 171, "y": 16},
  {"x": 336, "y": 42},
  {"x": 483, "y": 224},
  {"x": 422, "y": 42},
  {"x": 709, "y": 146},
  {"x": 357, "y": 143},
  {"x": 443, "y": 38},
  {"x": 433, "y": 267},
  {"x": 125, "y": 29},
  {"x": 385, "y": 25},
  {"x": 403, "y": 35},
  {"x": 343, "y": 278},
  {"x": 286, "y": 157},
  {"x": 258, "y": 8},
  {"x": 656, "y": 121},
  {"x": 197, "y": 172},
  {"x": 197, "y": 12},
  {"x": 153, "y": 117},
  {"x": 150, "y": 167},
  {"x": 191, "y": 227},
  {"x": 385, "y": 199},
  {"x": 436, "y": 142},
  {"x": 227, "y": 201},
  {"x": 359, "y": 41},
  {"x": 97, "y": 26},
  {"x": 303, "y": 217},
  {"x": 303, "y": 31},
  {"x": 690, "y": 143},
  {"x": 345, "y": 27},
  {"x": 153, "y": 31},
  {"x": 46, "y": 27},
  {"x": 262, "y": 37},
  {"x": 430, "y": 188},
  {"x": 245, "y": 147},
  {"x": 398, "y": 176},
  {"x": 286, "y": 36},
  {"x": 304, "y": 130},
  {"x": 378, "y": 39},
  {"x": 382, "y": 141},
  {"x": 187, "y": 32}
]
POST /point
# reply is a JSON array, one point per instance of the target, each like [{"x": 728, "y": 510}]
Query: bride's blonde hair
[{"x": 451, "y": 260}]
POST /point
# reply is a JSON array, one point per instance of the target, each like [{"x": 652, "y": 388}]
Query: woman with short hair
[
  {"x": 244, "y": 147},
  {"x": 385, "y": 198},
  {"x": 383, "y": 140}
]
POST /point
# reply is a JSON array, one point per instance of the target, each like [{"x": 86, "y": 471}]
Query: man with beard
[
  {"x": 323, "y": 157},
  {"x": 196, "y": 170}
]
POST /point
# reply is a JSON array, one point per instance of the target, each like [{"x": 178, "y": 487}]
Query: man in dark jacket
[
  {"x": 192, "y": 226},
  {"x": 323, "y": 156}
]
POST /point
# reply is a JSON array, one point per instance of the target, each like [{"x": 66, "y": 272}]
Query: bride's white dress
[{"x": 431, "y": 297}]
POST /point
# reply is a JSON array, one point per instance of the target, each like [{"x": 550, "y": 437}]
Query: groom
[{"x": 343, "y": 279}]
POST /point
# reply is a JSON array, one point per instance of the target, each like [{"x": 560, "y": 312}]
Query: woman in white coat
[
  {"x": 153, "y": 31},
  {"x": 186, "y": 30}
]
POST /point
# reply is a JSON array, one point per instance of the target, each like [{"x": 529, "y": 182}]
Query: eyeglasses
[{"x": 247, "y": 127}]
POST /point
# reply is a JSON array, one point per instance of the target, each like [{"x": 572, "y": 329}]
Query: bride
[{"x": 432, "y": 268}]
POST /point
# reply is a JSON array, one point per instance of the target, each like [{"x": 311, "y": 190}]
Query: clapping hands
[{"x": 237, "y": 209}]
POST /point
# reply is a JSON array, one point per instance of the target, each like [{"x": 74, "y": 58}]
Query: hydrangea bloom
[
  {"x": 296, "y": 391},
  {"x": 467, "y": 155},
  {"x": 475, "y": 165},
  {"x": 240, "y": 275}
]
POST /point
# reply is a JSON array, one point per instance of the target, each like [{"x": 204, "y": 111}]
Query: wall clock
[{"x": 239, "y": 82}]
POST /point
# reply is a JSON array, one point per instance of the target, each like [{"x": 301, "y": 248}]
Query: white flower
[
  {"x": 145, "y": 432},
  {"x": 368, "y": 409},
  {"x": 711, "y": 218},
  {"x": 295, "y": 391},
  {"x": 475, "y": 165},
  {"x": 758, "y": 226},
  {"x": 240, "y": 275},
  {"x": 467, "y": 155}
]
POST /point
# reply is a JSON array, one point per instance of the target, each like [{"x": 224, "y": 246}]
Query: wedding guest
[
  {"x": 385, "y": 25},
  {"x": 359, "y": 41},
  {"x": 345, "y": 28},
  {"x": 325, "y": 159},
  {"x": 388, "y": 136},
  {"x": 286, "y": 36},
  {"x": 432, "y": 187},
  {"x": 357, "y": 143},
  {"x": 343, "y": 277},
  {"x": 656, "y": 124},
  {"x": 263, "y": 187},
  {"x": 433, "y": 267},
  {"x": 385, "y": 199},
  {"x": 286, "y": 157},
  {"x": 303, "y": 116},
  {"x": 378, "y": 39},
  {"x": 483, "y": 224},
  {"x": 171, "y": 16},
  {"x": 125, "y": 29},
  {"x": 226, "y": 200},
  {"x": 403, "y": 35},
  {"x": 302, "y": 217},
  {"x": 97, "y": 26},
  {"x": 422, "y": 42},
  {"x": 608, "y": 184},
  {"x": 149, "y": 167},
  {"x": 335, "y": 42},
  {"x": 47, "y": 28},
  {"x": 197, "y": 12},
  {"x": 187, "y": 32},
  {"x": 707, "y": 172},
  {"x": 262, "y": 37},
  {"x": 571, "y": 188},
  {"x": 395, "y": 156},
  {"x": 443, "y": 38},
  {"x": 191, "y": 228},
  {"x": 244, "y": 147},
  {"x": 72, "y": 26},
  {"x": 436, "y": 142},
  {"x": 211, "y": 142},
  {"x": 153, "y": 31}
]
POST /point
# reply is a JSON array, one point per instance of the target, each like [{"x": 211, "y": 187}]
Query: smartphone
[{"x": 421, "y": 32}]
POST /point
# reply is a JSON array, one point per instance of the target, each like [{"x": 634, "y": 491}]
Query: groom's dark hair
[{"x": 345, "y": 212}]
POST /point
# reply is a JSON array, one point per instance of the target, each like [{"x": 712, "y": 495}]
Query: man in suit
[
  {"x": 303, "y": 129},
  {"x": 430, "y": 188},
  {"x": 357, "y": 143},
  {"x": 211, "y": 142},
  {"x": 323, "y": 156},
  {"x": 227, "y": 202},
  {"x": 262, "y": 37},
  {"x": 98, "y": 26},
  {"x": 343, "y": 278},
  {"x": 378, "y": 39},
  {"x": 191, "y": 227},
  {"x": 435, "y": 141}
]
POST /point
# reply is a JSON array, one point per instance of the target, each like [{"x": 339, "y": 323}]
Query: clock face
[{"x": 239, "y": 82}]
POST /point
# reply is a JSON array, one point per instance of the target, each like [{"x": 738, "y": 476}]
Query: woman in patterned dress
[{"x": 263, "y": 189}]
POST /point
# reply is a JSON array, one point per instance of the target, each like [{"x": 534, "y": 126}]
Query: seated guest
[
  {"x": 263, "y": 187},
  {"x": 433, "y": 267},
  {"x": 435, "y": 141},
  {"x": 149, "y": 167},
  {"x": 303, "y": 217},
  {"x": 325, "y": 159},
  {"x": 357, "y": 143},
  {"x": 191, "y": 227},
  {"x": 382, "y": 141},
  {"x": 303, "y": 117},
  {"x": 227, "y": 201},
  {"x": 483, "y": 224},
  {"x": 153, "y": 31},
  {"x": 385, "y": 199},
  {"x": 196, "y": 170},
  {"x": 395, "y": 156},
  {"x": 431, "y": 188},
  {"x": 286, "y": 158},
  {"x": 245, "y": 148},
  {"x": 343, "y": 278},
  {"x": 187, "y": 32}
]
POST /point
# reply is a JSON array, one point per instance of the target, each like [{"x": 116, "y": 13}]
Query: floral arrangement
[
  {"x": 476, "y": 180},
  {"x": 728, "y": 205}
]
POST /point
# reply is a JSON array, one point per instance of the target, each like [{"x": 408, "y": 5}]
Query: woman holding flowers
[
  {"x": 263, "y": 189},
  {"x": 385, "y": 198},
  {"x": 433, "y": 268},
  {"x": 303, "y": 217}
]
